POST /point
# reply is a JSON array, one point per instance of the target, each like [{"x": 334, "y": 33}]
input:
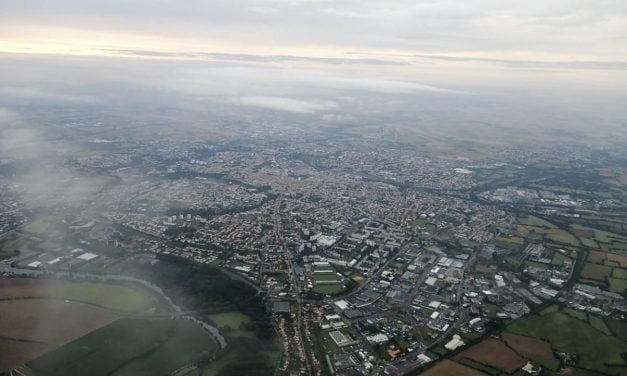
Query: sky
[
  {"x": 576, "y": 34},
  {"x": 303, "y": 56}
]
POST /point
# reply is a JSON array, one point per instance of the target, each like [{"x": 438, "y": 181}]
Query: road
[{"x": 295, "y": 287}]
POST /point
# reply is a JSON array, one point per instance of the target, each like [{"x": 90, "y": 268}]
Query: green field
[
  {"x": 113, "y": 296},
  {"x": 599, "y": 324},
  {"x": 323, "y": 268},
  {"x": 562, "y": 236},
  {"x": 129, "y": 347},
  {"x": 596, "y": 350},
  {"x": 618, "y": 285},
  {"x": 596, "y": 271},
  {"x": 39, "y": 226},
  {"x": 333, "y": 289},
  {"x": 531, "y": 220},
  {"x": 233, "y": 319},
  {"x": 580, "y": 315},
  {"x": 559, "y": 259},
  {"x": 325, "y": 277},
  {"x": 422, "y": 223},
  {"x": 619, "y": 273},
  {"x": 10, "y": 244}
]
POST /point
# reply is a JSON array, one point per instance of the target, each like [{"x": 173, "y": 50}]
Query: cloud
[
  {"x": 284, "y": 104},
  {"x": 38, "y": 94},
  {"x": 7, "y": 118},
  {"x": 278, "y": 80},
  {"x": 593, "y": 29},
  {"x": 42, "y": 181},
  {"x": 250, "y": 58},
  {"x": 574, "y": 64}
]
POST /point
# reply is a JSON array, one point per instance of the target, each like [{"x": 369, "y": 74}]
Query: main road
[{"x": 295, "y": 287}]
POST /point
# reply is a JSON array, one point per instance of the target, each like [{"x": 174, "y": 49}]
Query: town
[{"x": 371, "y": 260}]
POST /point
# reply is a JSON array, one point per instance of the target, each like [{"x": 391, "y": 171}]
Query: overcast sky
[
  {"x": 536, "y": 30},
  {"x": 575, "y": 47}
]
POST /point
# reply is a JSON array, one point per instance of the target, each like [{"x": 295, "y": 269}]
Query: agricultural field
[
  {"x": 562, "y": 236},
  {"x": 596, "y": 350},
  {"x": 531, "y": 220},
  {"x": 596, "y": 272},
  {"x": 605, "y": 240},
  {"x": 536, "y": 350},
  {"x": 549, "y": 231},
  {"x": 608, "y": 268},
  {"x": 513, "y": 243},
  {"x": 597, "y": 257},
  {"x": 620, "y": 259},
  {"x": 50, "y": 321},
  {"x": 116, "y": 297},
  {"x": 16, "y": 353},
  {"x": 129, "y": 347},
  {"x": 45, "y": 314},
  {"x": 495, "y": 354},
  {"x": 449, "y": 367},
  {"x": 617, "y": 285}
]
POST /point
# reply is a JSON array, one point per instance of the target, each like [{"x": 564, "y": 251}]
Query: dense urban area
[{"x": 307, "y": 251}]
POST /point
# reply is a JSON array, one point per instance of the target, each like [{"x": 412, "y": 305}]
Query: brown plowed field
[
  {"x": 495, "y": 354},
  {"x": 450, "y": 368},
  {"x": 50, "y": 321},
  {"x": 532, "y": 348}
]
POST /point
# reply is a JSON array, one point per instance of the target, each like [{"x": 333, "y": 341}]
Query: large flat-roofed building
[
  {"x": 281, "y": 307},
  {"x": 339, "y": 338}
]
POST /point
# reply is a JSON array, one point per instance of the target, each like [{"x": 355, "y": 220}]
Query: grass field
[
  {"x": 422, "y": 223},
  {"x": 532, "y": 348},
  {"x": 562, "y": 236},
  {"x": 514, "y": 243},
  {"x": 15, "y": 353},
  {"x": 129, "y": 347},
  {"x": 619, "y": 273},
  {"x": 187, "y": 343},
  {"x": 618, "y": 285},
  {"x": 39, "y": 226},
  {"x": 580, "y": 315},
  {"x": 332, "y": 289},
  {"x": 619, "y": 328},
  {"x": 495, "y": 354},
  {"x": 599, "y": 324},
  {"x": 531, "y": 220},
  {"x": 112, "y": 296},
  {"x": 565, "y": 333},
  {"x": 449, "y": 368},
  {"x": 10, "y": 244},
  {"x": 559, "y": 259},
  {"x": 231, "y": 319},
  {"x": 325, "y": 277},
  {"x": 596, "y": 272}
]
